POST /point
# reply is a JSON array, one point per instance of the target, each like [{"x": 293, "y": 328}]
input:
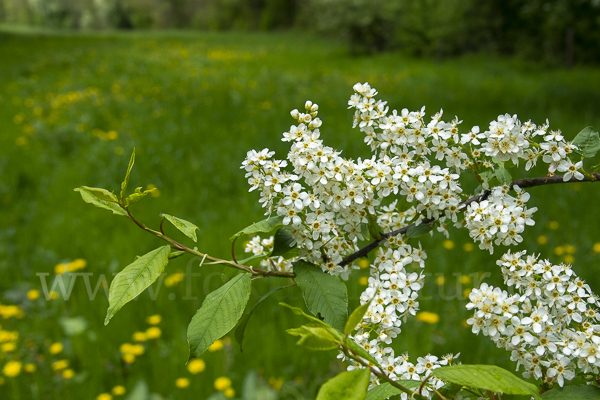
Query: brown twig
[{"x": 522, "y": 183}]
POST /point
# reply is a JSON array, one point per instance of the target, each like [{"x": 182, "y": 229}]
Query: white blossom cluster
[
  {"x": 328, "y": 203},
  {"x": 550, "y": 326},
  {"x": 393, "y": 290},
  {"x": 262, "y": 248},
  {"x": 500, "y": 219}
]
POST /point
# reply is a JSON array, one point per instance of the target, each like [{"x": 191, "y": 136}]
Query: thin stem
[{"x": 179, "y": 246}]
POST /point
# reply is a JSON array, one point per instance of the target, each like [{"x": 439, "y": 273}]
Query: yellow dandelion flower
[
  {"x": 139, "y": 337},
  {"x": 276, "y": 383},
  {"x": 60, "y": 269},
  {"x": 363, "y": 280},
  {"x": 30, "y": 368},
  {"x": 364, "y": 263},
  {"x": 222, "y": 383},
  {"x": 137, "y": 349},
  {"x": 104, "y": 396},
  {"x": 52, "y": 295},
  {"x": 55, "y": 348},
  {"x": 559, "y": 250},
  {"x": 112, "y": 135},
  {"x": 182, "y": 383},
  {"x": 126, "y": 348},
  {"x": 12, "y": 369},
  {"x": 448, "y": 244},
  {"x": 440, "y": 280},
  {"x": 154, "y": 319},
  {"x": 229, "y": 393},
  {"x": 468, "y": 247},
  {"x": 428, "y": 317},
  {"x": 155, "y": 192},
  {"x": 569, "y": 259},
  {"x": 33, "y": 294},
  {"x": 68, "y": 373},
  {"x": 542, "y": 239},
  {"x": 59, "y": 365},
  {"x": 8, "y": 347},
  {"x": 466, "y": 292},
  {"x": 129, "y": 358},
  {"x": 196, "y": 366},
  {"x": 153, "y": 332},
  {"x": 76, "y": 264},
  {"x": 553, "y": 225},
  {"x": 118, "y": 390},
  {"x": 570, "y": 249},
  {"x": 465, "y": 279},
  {"x": 8, "y": 336},
  {"x": 216, "y": 346},
  {"x": 596, "y": 247},
  {"x": 174, "y": 279}
]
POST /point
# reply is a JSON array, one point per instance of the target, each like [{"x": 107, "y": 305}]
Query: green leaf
[
  {"x": 350, "y": 385},
  {"x": 588, "y": 142},
  {"x": 386, "y": 390},
  {"x": 419, "y": 230},
  {"x": 283, "y": 243},
  {"x": 220, "y": 312},
  {"x": 176, "y": 254},
  {"x": 486, "y": 175},
  {"x": 265, "y": 226},
  {"x": 356, "y": 316},
  {"x": 186, "y": 227},
  {"x": 316, "y": 337},
  {"x": 449, "y": 391},
  {"x": 101, "y": 198},
  {"x": 135, "y": 278},
  {"x": 241, "y": 326},
  {"x": 583, "y": 392},
  {"x": 137, "y": 195},
  {"x": 373, "y": 228},
  {"x": 315, "y": 321},
  {"x": 324, "y": 294},
  {"x": 488, "y": 377},
  {"x": 126, "y": 180},
  {"x": 503, "y": 176},
  {"x": 360, "y": 351}
]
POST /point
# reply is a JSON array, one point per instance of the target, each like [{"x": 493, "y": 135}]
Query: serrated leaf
[
  {"x": 419, "y": 230},
  {"x": 315, "y": 337},
  {"x": 386, "y": 390},
  {"x": 185, "y": 227},
  {"x": 588, "y": 142},
  {"x": 283, "y": 243},
  {"x": 503, "y": 176},
  {"x": 137, "y": 195},
  {"x": 126, "y": 180},
  {"x": 583, "y": 392},
  {"x": 350, "y": 385},
  {"x": 241, "y": 326},
  {"x": 488, "y": 377},
  {"x": 356, "y": 316},
  {"x": 101, "y": 198},
  {"x": 135, "y": 278},
  {"x": 219, "y": 313},
  {"x": 265, "y": 226},
  {"x": 317, "y": 323},
  {"x": 324, "y": 294}
]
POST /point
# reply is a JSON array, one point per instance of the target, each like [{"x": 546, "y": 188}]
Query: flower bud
[
  {"x": 294, "y": 113},
  {"x": 308, "y": 105}
]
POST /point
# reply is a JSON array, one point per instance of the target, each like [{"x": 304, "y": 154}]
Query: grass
[{"x": 192, "y": 104}]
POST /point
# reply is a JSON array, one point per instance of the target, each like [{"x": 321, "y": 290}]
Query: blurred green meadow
[{"x": 73, "y": 107}]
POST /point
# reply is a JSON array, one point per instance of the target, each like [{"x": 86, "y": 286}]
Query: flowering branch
[{"x": 522, "y": 183}]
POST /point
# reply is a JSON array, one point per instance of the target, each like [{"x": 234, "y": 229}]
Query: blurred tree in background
[{"x": 555, "y": 31}]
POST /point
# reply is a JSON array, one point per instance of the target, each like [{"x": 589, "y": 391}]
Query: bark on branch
[{"x": 522, "y": 183}]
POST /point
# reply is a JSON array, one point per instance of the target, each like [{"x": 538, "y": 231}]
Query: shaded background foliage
[{"x": 555, "y": 32}]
